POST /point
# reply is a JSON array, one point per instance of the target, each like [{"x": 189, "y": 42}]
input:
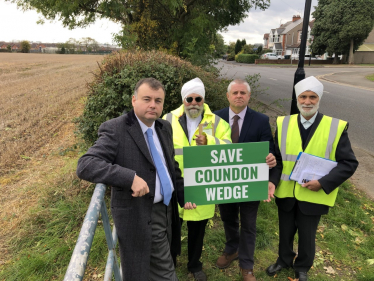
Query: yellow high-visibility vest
[
  {"x": 222, "y": 135},
  {"x": 323, "y": 144}
]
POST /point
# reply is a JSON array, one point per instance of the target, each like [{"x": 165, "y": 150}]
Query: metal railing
[{"x": 78, "y": 261}]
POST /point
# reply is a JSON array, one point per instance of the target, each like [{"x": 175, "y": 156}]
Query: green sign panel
[{"x": 218, "y": 174}]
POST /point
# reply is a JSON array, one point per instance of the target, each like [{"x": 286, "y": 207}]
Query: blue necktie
[{"x": 160, "y": 167}]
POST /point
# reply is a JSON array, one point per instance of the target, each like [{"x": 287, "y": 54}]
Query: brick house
[{"x": 286, "y": 39}]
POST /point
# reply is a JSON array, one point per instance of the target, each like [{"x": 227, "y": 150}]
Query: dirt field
[{"x": 40, "y": 95}]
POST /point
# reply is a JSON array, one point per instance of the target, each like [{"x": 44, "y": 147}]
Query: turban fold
[
  {"x": 194, "y": 86},
  {"x": 309, "y": 84}
]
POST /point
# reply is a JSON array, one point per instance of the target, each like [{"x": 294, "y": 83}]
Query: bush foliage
[
  {"x": 111, "y": 91},
  {"x": 246, "y": 58}
]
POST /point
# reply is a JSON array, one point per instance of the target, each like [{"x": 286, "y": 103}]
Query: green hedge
[
  {"x": 247, "y": 58},
  {"x": 111, "y": 91},
  {"x": 4, "y": 51}
]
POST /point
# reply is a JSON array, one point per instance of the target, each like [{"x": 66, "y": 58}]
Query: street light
[{"x": 300, "y": 73}]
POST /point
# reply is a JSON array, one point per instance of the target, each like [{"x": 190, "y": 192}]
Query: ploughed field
[{"x": 40, "y": 96}]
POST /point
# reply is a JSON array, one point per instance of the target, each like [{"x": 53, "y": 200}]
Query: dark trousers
[
  {"x": 243, "y": 242},
  {"x": 161, "y": 263},
  {"x": 306, "y": 225},
  {"x": 196, "y": 232}
]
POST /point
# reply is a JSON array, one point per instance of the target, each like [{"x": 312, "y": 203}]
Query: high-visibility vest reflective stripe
[
  {"x": 322, "y": 144},
  {"x": 222, "y": 135}
]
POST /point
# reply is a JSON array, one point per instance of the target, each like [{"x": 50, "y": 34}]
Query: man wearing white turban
[
  {"x": 185, "y": 122},
  {"x": 300, "y": 206}
]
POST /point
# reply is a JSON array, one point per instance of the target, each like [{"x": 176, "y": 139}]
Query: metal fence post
[{"x": 82, "y": 248}]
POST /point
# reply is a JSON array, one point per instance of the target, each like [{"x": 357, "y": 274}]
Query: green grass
[
  {"x": 43, "y": 246},
  {"x": 370, "y": 77}
]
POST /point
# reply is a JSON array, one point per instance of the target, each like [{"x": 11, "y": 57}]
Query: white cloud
[
  {"x": 21, "y": 25},
  {"x": 260, "y": 22}
]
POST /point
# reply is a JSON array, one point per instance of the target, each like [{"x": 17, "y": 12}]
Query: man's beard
[
  {"x": 308, "y": 113},
  {"x": 193, "y": 111}
]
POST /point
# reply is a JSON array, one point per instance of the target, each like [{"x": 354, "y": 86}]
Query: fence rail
[{"x": 78, "y": 261}]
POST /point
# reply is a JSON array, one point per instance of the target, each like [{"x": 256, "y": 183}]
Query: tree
[
  {"x": 247, "y": 49},
  {"x": 259, "y": 50},
  {"x": 244, "y": 42},
  {"x": 25, "y": 46},
  {"x": 238, "y": 46},
  {"x": 90, "y": 44},
  {"x": 341, "y": 26},
  {"x": 9, "y": 48},
  {"x": 220, "y": 47},
  {"x": 176, "y": 25}
]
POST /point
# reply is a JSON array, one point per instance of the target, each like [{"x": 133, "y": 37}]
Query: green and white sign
[{"x": 218, "y": 174}]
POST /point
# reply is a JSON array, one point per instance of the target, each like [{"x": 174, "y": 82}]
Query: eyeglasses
[{"x": 190, "y": 99}]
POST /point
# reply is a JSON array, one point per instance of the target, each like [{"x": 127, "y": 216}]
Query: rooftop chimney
[{"x": 295, "y": 18}]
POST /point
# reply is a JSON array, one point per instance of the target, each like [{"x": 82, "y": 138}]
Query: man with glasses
[{"x": 185, "y": 122}]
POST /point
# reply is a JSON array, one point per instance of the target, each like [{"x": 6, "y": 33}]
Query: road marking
[
  {"x": 273, "y": 79},
  {"x": 326, "y": 92},
  {"x": 323, "y": 77}
]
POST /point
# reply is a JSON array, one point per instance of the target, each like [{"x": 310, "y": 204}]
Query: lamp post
[{"x": 300, "y": 73}]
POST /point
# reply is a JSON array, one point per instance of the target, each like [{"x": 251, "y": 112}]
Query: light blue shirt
[
  {"x": 240, "y": 120},
  {"x": 158, "y": 196},
  {"x": 308, "y": 123}
]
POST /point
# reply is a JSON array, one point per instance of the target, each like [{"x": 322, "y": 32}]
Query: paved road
[{"x": 350, "y": 103}]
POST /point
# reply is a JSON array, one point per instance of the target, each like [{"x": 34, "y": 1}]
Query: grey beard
[
  {"x": 309, "y": 113},
  {"x": 194, "y": 113}
]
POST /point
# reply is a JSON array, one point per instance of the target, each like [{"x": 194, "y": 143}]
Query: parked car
[{"x": 271, "y": 56}]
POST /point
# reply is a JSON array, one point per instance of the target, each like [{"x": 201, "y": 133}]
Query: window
[{"x": 299, "y": 36}]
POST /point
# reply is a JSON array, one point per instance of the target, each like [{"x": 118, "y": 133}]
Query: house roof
[
  {"x": 285, "y": 24},
  {"x": 280, "y": 30},
  {"x": 292, "y": 25},
  {"x": 266, "y": 36},
  {"x": 366, "y": 47},
  {"x": 311, "y": 23}
]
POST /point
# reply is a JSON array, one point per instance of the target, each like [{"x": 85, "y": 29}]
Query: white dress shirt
[
  {"x": 240, "y": 120},
  {"x": 158, "y": 196},
  {"x": 192, "y": 124},
  {"x": 307, "y": 123}
]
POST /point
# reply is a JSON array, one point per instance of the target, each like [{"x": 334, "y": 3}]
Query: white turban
[
  {"x": 309, "y": 84},
  {"x": 194, "y": 86}
]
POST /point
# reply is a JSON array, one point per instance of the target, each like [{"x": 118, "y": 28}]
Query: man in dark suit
[
  {"x": 134, "y": 154},
  {"x": 247, "y": 125},
  {"x": 300, "y": 205}
]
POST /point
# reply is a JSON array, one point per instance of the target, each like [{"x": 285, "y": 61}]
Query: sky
[{"x": 18, "y": 25}]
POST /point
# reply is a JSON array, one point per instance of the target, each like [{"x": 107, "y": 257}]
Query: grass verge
[
  {"x": 370, "y": 77},
  {"x": 44, "y": 244}
]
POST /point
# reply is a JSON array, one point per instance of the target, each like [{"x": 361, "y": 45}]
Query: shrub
[
  {"x": 246, "y": 58},
  {"x": 111, "y": 91},
  {"x": 25, "y": 46},
  {"x": 231, "y": 56}
]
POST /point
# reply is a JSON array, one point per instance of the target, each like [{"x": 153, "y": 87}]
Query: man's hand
[
  {"x": 312, "y": 185},
  {"x": 201, "y": 139},
  {"x": 189, "y": 206},
  {"x": 271, "y": 161},
  {"x": 139, "y": 187},
  {"x": 271, "y": 190}
]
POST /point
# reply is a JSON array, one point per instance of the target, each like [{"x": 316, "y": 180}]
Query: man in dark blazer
[
  {"x": 300, "y": 205},
  {"x": 147, "y": 222},
  {"x": 250, "y": 126}
]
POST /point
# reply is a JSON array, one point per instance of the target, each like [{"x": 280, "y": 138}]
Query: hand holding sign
[{"x": 189, "y": 206}]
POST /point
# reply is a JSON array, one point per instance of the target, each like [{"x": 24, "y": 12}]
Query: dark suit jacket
[
  {"x": 255, "y": 127},
  {"x": 347, "y": 165},
  {"x": 119, "y": 153}
]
